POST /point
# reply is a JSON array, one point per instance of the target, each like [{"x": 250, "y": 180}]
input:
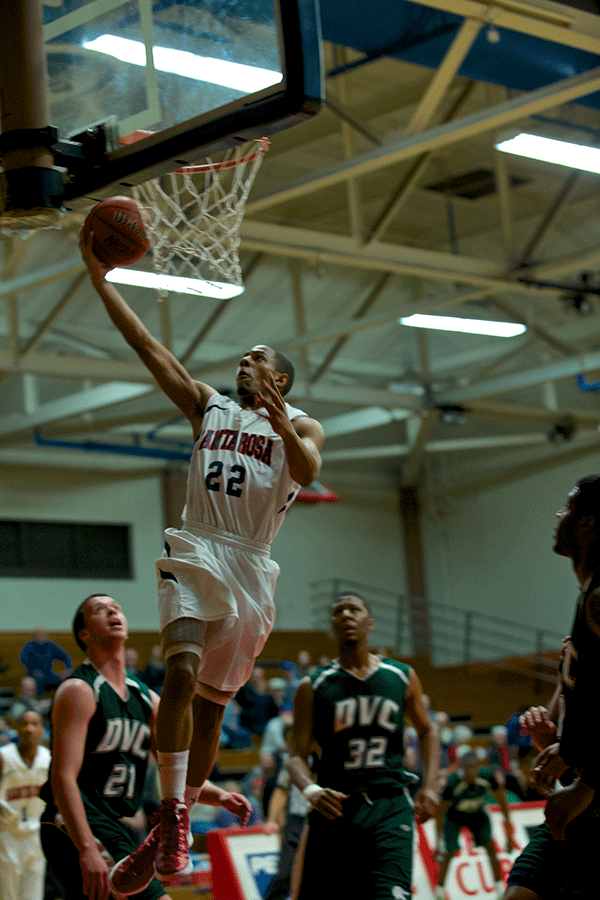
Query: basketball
[{"x": 119, "y": 231}]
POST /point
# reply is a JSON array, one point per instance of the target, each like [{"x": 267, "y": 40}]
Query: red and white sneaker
[
  {"x": 135, "y": 872},
  {"x": 172, "y": 856}
]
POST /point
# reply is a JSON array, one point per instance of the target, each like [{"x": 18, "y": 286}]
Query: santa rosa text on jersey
[{"x": 257, "y": 445}]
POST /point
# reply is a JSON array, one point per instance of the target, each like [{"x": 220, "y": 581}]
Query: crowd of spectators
[{"x": 505, "y": 749}]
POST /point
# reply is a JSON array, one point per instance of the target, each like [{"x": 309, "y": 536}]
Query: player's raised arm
[
  {"x": 303, "y": 437},
  {"x": 304, "y": 459},
  {"x": 426, "y": 799},
  {"x": 188, "y": 395}
]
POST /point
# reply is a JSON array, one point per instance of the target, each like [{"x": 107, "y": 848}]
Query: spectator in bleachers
[
  {"x": 461, "y": 734},
  {"x": 154, "y": 673},
  {"x": 27, "y": 701},
  {"x": 131, "y": 661},
  {"x": 518, "y": 740},
  {"x": 8, "y": 735},
  {"x": 267, "y": 705},
  {"x": 303, "y": 663},
  {"x": 248, "y": 697},
  {"x": 292, "y": 679},
  {"x": 234, "y": 735},
  {"x": 442, "y": 720},
  {"x": 273, "y": 745},
  {"x": 39, "y": 655},
  {"x": 503, "y": 766}
]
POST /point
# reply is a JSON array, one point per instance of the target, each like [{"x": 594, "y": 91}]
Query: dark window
[{"x": 64, "y": 550}]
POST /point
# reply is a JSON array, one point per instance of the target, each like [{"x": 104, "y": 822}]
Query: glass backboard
[{"x": 201, "y": 75}]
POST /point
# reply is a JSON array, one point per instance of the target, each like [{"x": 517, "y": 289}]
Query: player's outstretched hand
[
  {"x": 237, "y": 804},
  {"x": 272, "y": 399},
  {"x": 328, "y": 802},
  {"x": 94, "y": 266},
  {"x": 426, "y": 804},
  {"x": 547, "y": 768},
  {"x": 566, "y": 805},
  {"x": 539, "y": 725}
]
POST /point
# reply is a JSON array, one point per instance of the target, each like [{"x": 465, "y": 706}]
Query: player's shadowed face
[
  {"x": 565, "y": 535},
  {"x": 251, "y": 371},
  {"x": 350, "y": 620}
]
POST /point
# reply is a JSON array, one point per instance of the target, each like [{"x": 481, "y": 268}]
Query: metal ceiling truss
[{"x": 124, "y": 396}]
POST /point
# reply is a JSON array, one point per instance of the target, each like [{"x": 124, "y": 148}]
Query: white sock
[
  {"x": 172, "y": 769},
  {"x": 190, "y": 795}
]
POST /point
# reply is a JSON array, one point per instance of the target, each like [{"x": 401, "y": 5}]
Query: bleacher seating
[{"x": 488, "y": 695}]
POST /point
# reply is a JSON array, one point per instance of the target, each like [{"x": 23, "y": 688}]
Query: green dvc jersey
[
  {"x": 116, "y": 749},
  {"x": 359, "y": 726}
]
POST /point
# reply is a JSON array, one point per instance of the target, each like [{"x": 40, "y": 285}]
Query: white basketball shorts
[{"x": 226, "y": 582}]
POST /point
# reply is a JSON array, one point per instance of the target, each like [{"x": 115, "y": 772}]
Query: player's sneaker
[
  {"x": 172, "y": 856},
  {"x": 135, "y": 872}
]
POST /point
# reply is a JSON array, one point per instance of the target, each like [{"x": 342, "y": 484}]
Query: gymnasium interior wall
[
  {"x": 357, "y": 538},
  {"x": 490, "y": 552}
]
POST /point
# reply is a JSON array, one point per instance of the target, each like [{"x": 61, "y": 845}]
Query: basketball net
[{"x": 193, "y": 217}]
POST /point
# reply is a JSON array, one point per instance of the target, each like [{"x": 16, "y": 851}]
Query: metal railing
[{"x": 455, "y": 636}]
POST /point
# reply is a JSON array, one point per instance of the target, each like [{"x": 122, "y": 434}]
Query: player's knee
[{"x": 181, "y": 672}]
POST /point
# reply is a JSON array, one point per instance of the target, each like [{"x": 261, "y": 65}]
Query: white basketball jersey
[
  {"x": 20, "y": 804},
  {"x": 239, "y": 479}
]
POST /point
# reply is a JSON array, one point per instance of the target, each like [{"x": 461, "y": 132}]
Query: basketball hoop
[{"x": 193, "y": 217}]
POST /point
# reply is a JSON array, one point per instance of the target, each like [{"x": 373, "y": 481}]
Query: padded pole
[
  {"x": 23, "y": 82},
  {"x": 32, "y": 182}
]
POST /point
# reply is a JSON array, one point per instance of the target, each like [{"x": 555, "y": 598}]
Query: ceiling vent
[{"x": 472, "y": 185}]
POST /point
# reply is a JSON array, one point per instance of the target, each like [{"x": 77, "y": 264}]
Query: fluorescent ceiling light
[
  {"x": 174, "y": 283},
  {"x": 470, "y": 326},
  {"x": 575, "y": 156},
  {"x": 181, "y": 62}
]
